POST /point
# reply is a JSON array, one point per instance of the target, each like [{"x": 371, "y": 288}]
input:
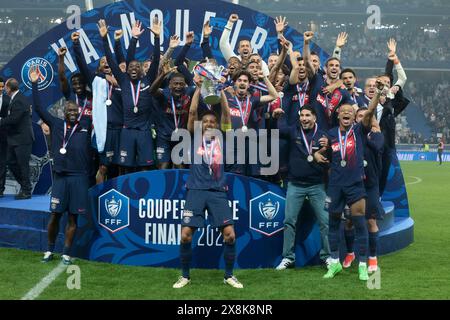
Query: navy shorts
[
  {"x": 216, "y": 202},
  {"x": 164, "y": 148},
  {"x": 110, "y": 154},
  {"x": 374, "y": 209},
  {"x": 69, "y": 193},
  {"x": 136, "y": 148},
  {"x": 339, "y": 196}
]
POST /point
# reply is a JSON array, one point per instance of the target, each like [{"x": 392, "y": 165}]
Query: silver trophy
[{"x": 210, "y": 89}]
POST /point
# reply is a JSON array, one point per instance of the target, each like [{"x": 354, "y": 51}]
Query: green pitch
[{"x": 417, "y": 272}]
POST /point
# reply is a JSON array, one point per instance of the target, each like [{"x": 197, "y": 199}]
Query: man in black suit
[
  {"x": 391, "y": 106},
  {"x": 4, "y": 103},
  {"x": 20, "y": 137}
]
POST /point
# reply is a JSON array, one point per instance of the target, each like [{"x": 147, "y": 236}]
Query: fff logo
[
  {"x": 113, "y": 211},
  {"x": 267, "y": 213}
]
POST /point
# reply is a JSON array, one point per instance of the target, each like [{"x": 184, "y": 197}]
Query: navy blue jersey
[
  {"x": 327, "y": 106},
  {"x": 295, "y": 97},
  {"x": 79, "y": 157},
  {"x": 210, "y": 174},
  {"x": 115, "y": 110},
  {"x": 249, "y": 104},
  {"x": 300, "y": 169},
  {"x": 166, "y": 119},
  {"x": 353, "y": 171},
  {"x": 373, "y": 150},
  {"x": 141, "y": 119}
]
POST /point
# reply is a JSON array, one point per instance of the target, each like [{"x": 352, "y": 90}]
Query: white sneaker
[
  {"x": 48, "y": 256},
  {"x": 66, "y": 259},
  {"x": 232, "y": 281},
  {"x": 284, "y": 264},
  {"x": 328, "y": 262},
  {"x": 181, "y": 282}
]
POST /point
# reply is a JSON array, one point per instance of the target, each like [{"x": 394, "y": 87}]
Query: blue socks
[
  {"x": 360, "y": 224},
  {"x": 185, "y": 257},
  {"x": 349, "y": 239},
  {"x": 334, "y": 235},
  {"x": 373, "y": 243},
  {"x": 229, "y": 255}
]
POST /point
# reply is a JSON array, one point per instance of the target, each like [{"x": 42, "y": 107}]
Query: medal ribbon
[
  {"x": 174, "y": 110},
  {"x": 65, "y": 143},
  {"x": 305, "y": 140},
  {"x": 343, "y": 150},
  {"x": 302, "y": 93},
  {"x": 243, "y": 117},
  {"x": 135, "y": 93},
  {"x": 209, "y": 158},
  {"x": 82, "y": 109}
]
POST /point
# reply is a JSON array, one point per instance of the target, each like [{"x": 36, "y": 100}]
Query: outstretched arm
[
  {"x": 273, "y": 94},
  {"x": 367, "y": 120},
  {"x": 193, "y": 110},
  {"x": 307, "y": 36},
  {"x": 41, "y": 111},
  {"x": 136, "y": 32},
  {"x": 276, "y": 68},
  {"x": 206, "y": 49},
  {"x": 224, "y": 43},
  {"x": 182, "y": 55},
  {"x": 64, "y": 83},
  {"x": 226, "y": 114},
  {"x": 103, "y": 30},
  {"x": 401, "y": 75},
  {"x": 120, "y": 58},
  {"x": 81, "y": 62},
  {"x": 340, "y": 42},
  {"x": 156, "y": 30},
  {"x": 173, "y": 44}
]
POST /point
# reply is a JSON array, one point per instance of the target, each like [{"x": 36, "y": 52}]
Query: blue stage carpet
[{"x": 36, "y": 203}]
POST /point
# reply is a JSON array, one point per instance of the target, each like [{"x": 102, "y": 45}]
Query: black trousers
[
  {"x": 3, "y": 153},
  {"x": 19, "y": 163},
  {"x": 386, "y": 164}
]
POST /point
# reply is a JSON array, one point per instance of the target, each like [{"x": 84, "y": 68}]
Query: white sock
[{"x": 362, "y": 264}]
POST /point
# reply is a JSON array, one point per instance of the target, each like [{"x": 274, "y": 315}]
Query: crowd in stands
[
  {"x": 16, "y": 34},
  {"x": 417, "y": 45},
  {"x": 434, "y": 99}
]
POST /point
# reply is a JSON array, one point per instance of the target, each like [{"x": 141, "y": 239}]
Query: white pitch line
[
  {"x": 418, "y": 180},
  {"x": 44, "y": 283}
]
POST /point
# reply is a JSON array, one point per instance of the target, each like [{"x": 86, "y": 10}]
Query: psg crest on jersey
[{"x": 44, "y": 70}]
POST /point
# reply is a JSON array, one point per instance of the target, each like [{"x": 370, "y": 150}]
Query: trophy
[{"x": 211, "y": 85}]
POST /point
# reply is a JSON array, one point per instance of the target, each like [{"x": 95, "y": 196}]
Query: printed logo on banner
[
  {"x": 113, "y": 211},
  {"x": 44, "y": 70},
  {"x": 267, "y": 213}
]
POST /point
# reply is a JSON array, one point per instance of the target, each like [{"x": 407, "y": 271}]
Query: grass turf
[{"x": 417, "y": 272}]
